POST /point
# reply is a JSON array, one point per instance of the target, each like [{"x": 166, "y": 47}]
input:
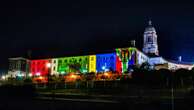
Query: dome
[{"x": 150, "y": 27}]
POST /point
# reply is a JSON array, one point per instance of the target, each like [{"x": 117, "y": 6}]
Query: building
[
  {"x": 150, "y": 48},
  {"x": 174, "y": 65},
  {"x": 18, "y": 67},
  {"x": 120, "y": 60},
  {"x": 150, "y": 44}
]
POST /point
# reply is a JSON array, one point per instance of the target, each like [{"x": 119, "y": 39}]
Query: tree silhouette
[
  {"x": 192, "y": 69},
  {"x": 180, "y": 75},
  {"x": 165, "y": 77},
  {"x": 145, "y": 66},
  {"x": 139, "y": 75},
  {"x": 90, "y": 76}
]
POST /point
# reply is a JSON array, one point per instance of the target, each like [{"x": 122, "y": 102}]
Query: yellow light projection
[{"x": 92, "y": 63}]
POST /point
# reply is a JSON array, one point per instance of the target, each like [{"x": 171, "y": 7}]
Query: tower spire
[
  {"x": 150, "y": 40},
  {"x": 149, "y": 22}
]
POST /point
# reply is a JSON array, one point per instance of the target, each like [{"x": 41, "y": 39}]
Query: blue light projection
[{"x": 105, "y": 62}]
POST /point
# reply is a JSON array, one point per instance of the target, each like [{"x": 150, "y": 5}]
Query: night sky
[{"x": 76, "y": 27}]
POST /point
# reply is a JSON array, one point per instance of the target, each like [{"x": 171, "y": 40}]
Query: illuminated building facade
[
  {"x": 121, "y": 61},
  {"x": 127, "y": 57},
  {"x": 92, "y": 63},
  {"x": 54, "y": 66},
  {"x": 105, "y": 62},
  {"x": 73, "y": 64},
  {"x": 39, "y": 67},
  {"x": 174, "y": 65}
]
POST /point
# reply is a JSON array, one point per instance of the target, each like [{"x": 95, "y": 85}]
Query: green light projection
[
  {"x": 73, "y": 64},
  {"x": 125, "y": 56}
]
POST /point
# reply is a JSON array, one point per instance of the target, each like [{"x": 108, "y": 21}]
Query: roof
[
  {"x": 18, "y": 58},
  {"x": 152, "y": 55},
  {"x": 182, "y": 63},
  {"x": 150, "y": 28}
]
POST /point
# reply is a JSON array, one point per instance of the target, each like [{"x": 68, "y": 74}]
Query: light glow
[
  {"x": 48, "y": 65},
  {"x": 106, "y": 74},
  {"x": 40, "y": 77},
  {"x": 103, "y": 67},
  {"x": 30, "y": 75},
  {"x": 3, "y": 77},
  {"x": 38, "y": 74},
  {"x": 20, "y": 75},
  {"x": 73, "y": 76}
]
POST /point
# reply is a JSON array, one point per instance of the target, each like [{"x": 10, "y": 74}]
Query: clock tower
[{"x": 150, "y": 44}]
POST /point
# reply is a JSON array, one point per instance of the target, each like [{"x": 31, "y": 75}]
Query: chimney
[
  {"x": 132, "y": 42},
  {"x": 29, "y": 53}
]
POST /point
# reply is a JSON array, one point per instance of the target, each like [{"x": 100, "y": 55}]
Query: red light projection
[
  {"x": 118, "y": 65},
  {"x": 39, "y": 67}
]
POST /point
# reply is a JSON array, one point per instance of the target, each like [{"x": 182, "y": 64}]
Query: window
[
  {"x": 60, "y": 61},
  {"x": 43, "y": 69},
  {"x": 70, "y": 61},
  {"x": 54, "y": 61},
  {"x": 150, "y": 39}
]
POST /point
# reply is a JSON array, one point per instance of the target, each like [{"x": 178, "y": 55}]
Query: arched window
[{"x": 150, "y": 39}]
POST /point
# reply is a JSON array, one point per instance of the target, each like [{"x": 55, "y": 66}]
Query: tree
[
  {"x": 139, "y": 75},
  {"x": 90, "y": 76},
  {"x": 145, "y": 66},
  {"x": 165, "y": 77},
  {"x": 192, "y": 69}
]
